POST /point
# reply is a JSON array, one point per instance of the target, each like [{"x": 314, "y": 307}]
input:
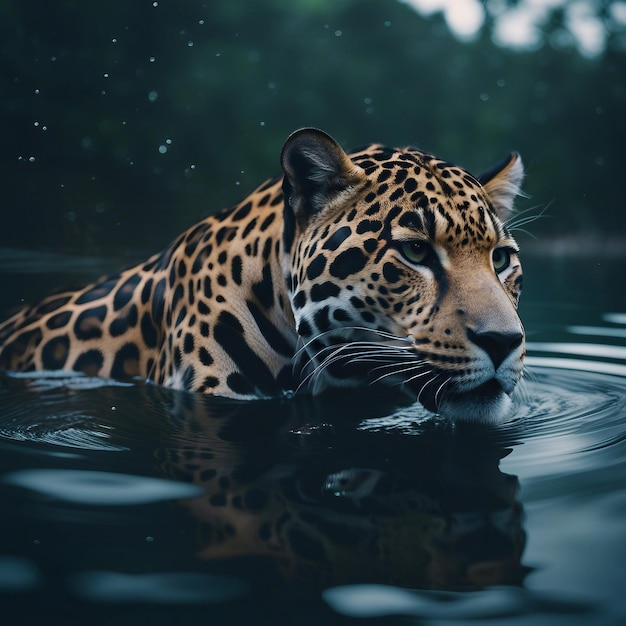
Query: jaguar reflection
[{"x": 301, "y": 486}]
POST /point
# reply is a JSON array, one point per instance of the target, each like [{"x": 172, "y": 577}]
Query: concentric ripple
[
  {"x": 570, "y": 417},
  {"x": 58, "y": 427},
  {"x": 36, "y": 410}
]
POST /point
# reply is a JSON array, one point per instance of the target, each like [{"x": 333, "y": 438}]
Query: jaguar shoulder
[{"x": 381, "y": 266}]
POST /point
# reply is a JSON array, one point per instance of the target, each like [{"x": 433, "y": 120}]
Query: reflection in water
[{"x": 333, "y": 505}]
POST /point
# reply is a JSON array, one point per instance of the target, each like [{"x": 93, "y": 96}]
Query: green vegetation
[{"x": 125, "y": 122}]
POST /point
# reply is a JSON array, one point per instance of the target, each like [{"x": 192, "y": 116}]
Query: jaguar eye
[
  {"x": 415, "y": 251},
  {"x": 501, "y": 259}
]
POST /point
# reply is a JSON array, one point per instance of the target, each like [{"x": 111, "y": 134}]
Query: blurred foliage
[{"x": 125, "y": 122}]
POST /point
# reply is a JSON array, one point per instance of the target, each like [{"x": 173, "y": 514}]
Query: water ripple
[
  {"x": 46, "y": 380},
  {"x": 573, "y": 418},
  {"x": 376, "y": 601},
  {"x": 99, "y": 488},
  {"x": 49, "y": 408},
  {"x": 59, "y": 427},
  {"x": 58, "y": 431},
  {"x": 159, "y": 588}
]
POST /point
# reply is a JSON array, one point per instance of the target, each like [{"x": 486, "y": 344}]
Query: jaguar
[{"x": 383, "y": 267}]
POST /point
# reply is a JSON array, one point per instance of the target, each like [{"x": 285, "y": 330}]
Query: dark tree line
[{"x": 124, "y": 122}]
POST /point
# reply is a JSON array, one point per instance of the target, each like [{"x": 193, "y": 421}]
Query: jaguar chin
[{"x": 488, "y": 403}]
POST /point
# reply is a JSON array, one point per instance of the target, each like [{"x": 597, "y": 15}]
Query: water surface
[{"x": 124, "y": 503}]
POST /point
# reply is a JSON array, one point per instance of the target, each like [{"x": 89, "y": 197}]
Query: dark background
[{"x": 122, "y": 122}]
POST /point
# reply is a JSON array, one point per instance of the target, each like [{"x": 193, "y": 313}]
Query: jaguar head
[{"x": 401, "y": 271}]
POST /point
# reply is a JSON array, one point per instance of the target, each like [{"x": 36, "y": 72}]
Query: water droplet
[
  {"x": 261, "y": 123},
  {"x": 387, "y": 23},
  {"x": 201, "y": 22},
  {"x": 35, "y": 123},
  {"x": 155, "y": 4},
  {"x": 152, "y": 59},
  {"x": 162, "y": 149},
  {"x": 338, "y": 33},
  {"x": 190, "y": 44},
  {"x": 37, "y": 91},
  {"x": 168, "y": 142},
  {"x": 31, "y": 159},
  {"x": 484, "y": 97},
  {"x": 152, "y": 96},
  {"x": 106, "y": 75},
  {"x": 149, "y": 539},
  {"x": 501, "y": 82},
  {"x": 114, "y": 40},
  {"x": 113, "y": 408}
]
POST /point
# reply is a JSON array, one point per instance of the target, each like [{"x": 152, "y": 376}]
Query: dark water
[{"x": 126, "y": 504}]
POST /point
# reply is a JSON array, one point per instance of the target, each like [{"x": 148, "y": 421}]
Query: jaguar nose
[{"x": 497, "y": 345}]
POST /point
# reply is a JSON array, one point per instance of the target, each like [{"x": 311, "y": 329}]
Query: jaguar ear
[
  {"x": 502, "y": 183},
  {"x": 317, "y": 171}
]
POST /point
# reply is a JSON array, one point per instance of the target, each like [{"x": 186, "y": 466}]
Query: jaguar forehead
[
  {"x": 454, "y": 219},
  {"x": 439, "y": 191}
]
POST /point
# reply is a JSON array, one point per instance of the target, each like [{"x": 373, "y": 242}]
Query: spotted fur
[{"x": 384, "y": 266}]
